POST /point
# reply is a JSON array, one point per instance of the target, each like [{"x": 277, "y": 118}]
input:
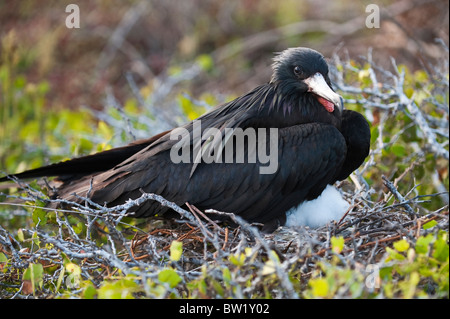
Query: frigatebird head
[{"x": 303, "y": 71}]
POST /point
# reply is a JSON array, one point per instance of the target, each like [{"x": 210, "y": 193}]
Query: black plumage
[{"x": 318, "y": 144}]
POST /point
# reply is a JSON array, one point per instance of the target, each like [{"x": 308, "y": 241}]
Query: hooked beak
[{"x": 326, "y": 96}]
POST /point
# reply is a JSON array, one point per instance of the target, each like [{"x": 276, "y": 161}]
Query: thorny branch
[{"x": 389, "y": 95}]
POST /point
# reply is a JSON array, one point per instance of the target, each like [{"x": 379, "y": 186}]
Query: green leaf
[
  {"x": 202, "y": 287},
  {"x": 73, "y": 275},
  {"x": 398, "y": 150},
  {"x": 441, "y": 251},
  {"x": 105, "y": 131},
  {"x": 248, "y": 251},
  {"x": 268, "y": 268},
  {"x": 20, "y": 235},
  {"x": 39, "y": 216},
  {"x": 319, "y": 287},
  {"x": 430, "y": 224},
  {"x": 170, "y": 277},
  {"x": 422, "y": 244},
  {"x": 60, "y": 279},
  {"x": 176, "y": 250},
  {"x": 78, "y": 228},
  {"x": 401, "y": 245},
  {"x": 35, "y": 238},
  {"x": 237, "y": 259},
  {"x": 120, "y": 289},
  {"x": 189, "y": 108},
  {"x": 363, "y": 74},
  {"x": 337, "y": 244},
  {"x": 374, "y": 133},
  {"x": 393, "y": 254},
  {"x": 35, "y": 274},
  {"x": 270, "y": 265},
  {"x": 386, "y": 273},
  {"x": 226, "y": 275},
  {"x": 73, "y": 269},
  {"x": 3, "y": 261},
  {"x": 205, "y": 61},
  {"x": 218, "y": 287},
  {"x": 89, "y": 291},
  {"x": 409, "y": 286}
]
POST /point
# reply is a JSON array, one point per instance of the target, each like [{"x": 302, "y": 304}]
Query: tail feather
[{"x": 78, "y": 167}]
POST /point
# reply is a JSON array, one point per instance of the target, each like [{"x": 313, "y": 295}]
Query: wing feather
[{"x": 309, "y": 155}]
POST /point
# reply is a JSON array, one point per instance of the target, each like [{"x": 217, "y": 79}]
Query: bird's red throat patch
[{"x": 329, "y": 106}]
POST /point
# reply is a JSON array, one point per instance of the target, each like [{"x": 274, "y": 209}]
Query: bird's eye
[{"x": 297, "y": 71}]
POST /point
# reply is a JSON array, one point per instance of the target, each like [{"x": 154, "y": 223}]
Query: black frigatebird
[{"x": 317, "y": 143}]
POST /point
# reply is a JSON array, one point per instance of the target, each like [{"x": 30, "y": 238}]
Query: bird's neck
[{"x": 281, "y": 108}]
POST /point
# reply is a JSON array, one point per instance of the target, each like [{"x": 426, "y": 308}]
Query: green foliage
[
  {"x": 170, "y": 277},
  {"x": 422, "y": 269},
  {"x": 34, "y": 274},
  {"x": 400, "y": 149},
  {"x": 176, "y": 250},
  {"x": 31, "y": 133},
  {"x": 123, "y": 288},
  {"x": 409, "y": 270},
  {"x": 337, "y": 244}
]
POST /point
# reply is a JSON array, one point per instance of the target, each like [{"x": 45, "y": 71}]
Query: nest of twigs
[{"x": 143, "y": 250}]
